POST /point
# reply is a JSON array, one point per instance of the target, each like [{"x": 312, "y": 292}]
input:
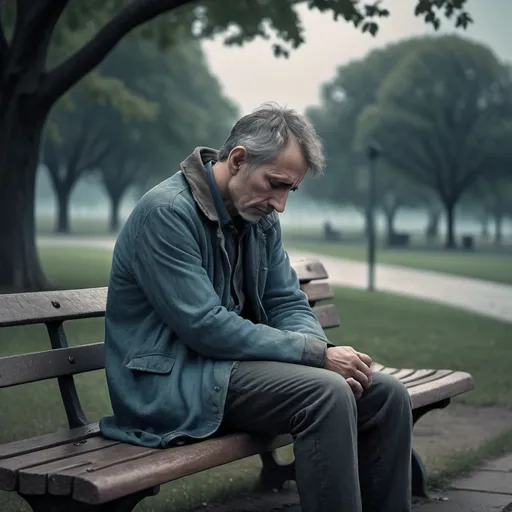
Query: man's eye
[{"x": 280, "y": 184}]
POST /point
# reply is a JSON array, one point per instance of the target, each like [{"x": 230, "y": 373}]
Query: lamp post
[{"x": 372, "y": 153}]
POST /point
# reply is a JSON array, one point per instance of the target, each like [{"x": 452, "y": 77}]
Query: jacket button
[{"x": 216, "y": 388}]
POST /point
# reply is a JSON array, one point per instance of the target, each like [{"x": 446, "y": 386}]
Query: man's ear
[{"x": 236, "y": 159}]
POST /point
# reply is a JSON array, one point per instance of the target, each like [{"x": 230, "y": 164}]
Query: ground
[{"x": 458, "y": 427}]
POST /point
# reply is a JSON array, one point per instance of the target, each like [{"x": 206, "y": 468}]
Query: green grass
[
  {"x": 395, "y": 330},
  {"x": 462, "y": 463},
  {"x": 45, "y": 225},
  {"x": 485, "y": 263},
  {"x": 75, "y": 267}
]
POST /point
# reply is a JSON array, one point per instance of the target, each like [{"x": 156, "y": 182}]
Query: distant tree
[
  {"x": 343, "y": 99},
  {"x": 132, "y": 140},
  {"x": 443, "y": 117},
  {"x": 493, "y": 198}
]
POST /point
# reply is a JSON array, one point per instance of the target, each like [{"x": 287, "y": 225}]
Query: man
[{"x": 206, "y": 327}]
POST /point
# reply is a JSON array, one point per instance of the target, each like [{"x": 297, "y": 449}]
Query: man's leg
[
  {"x": 318, "y": 408},
  {"x": 384, "y": 445}
]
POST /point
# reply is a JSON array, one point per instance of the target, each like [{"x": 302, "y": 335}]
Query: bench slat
[
  {"x": 309, "y": 270},
  {"x": 417, "y": 375},
  {"x": 60, "y": 477},
  {"x": 17, "y": 448},
  {"x": 40, "y": 307},
  {"x": 317, "y": 291},
  {"x": 56, "y": 477},
  {"x": 438, "y": 375},
  {"x": 327, "y": 316},
  {"x": 389, "y": 371},
  {"x": 23, "y": 368},
  {"x": 60, "y": 454},
  {"x": 62, "y": 305},
  {"x": 403, "y": 374},
  {"x": 448, "y": 386},
  {"x": 101, "y": 484}
]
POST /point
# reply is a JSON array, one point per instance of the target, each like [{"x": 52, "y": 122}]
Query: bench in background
[{"x": 77, "y": 469}]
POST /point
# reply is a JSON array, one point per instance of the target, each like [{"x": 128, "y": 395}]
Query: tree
[
  {"x": 343, "y": 99},
  {"x": 443, "y": 116},
  {"x": 68, "y": 153},
  {"x": 494, "y": 197},
  {"x": 48, "y": 46},
  {"x": 159, "y": 108}
]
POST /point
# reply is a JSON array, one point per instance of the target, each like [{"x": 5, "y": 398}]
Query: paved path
[
  {"x": 483, "y": 297},
  {"x": 489, "y": 489}
]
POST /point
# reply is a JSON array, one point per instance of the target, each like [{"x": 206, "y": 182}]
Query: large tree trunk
[
  {"x": 20, "y": 134},
  {"x": 450, "y": 225},
  {"x": 63, "y": 196}
]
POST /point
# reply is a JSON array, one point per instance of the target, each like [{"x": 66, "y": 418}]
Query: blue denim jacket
[{"x": 170, "y": 339}]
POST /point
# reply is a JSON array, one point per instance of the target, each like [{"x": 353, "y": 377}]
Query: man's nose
[{"x": 278, "y": 201}]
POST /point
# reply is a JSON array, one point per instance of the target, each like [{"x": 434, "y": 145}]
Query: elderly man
[{"x": 206, "y": 327}]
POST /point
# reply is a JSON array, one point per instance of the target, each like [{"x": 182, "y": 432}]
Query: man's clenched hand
[{"x": 353, "y": 365}]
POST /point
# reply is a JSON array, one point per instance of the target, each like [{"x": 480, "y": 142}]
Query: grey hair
[{"x": 265, "y": 132}]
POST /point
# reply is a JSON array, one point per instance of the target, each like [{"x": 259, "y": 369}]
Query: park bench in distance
[{"x": 79, "y": 470}]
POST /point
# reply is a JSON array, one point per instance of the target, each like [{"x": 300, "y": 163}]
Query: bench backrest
[{"x": 62, "y": 362}]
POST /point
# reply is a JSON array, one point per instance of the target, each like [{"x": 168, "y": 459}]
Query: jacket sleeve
[
  {"x": 168, "y": 267},
  {"x": 286, "y": 305}
]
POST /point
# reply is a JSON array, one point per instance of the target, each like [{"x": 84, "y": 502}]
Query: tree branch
[
  {"x": 64, "y": 76},
  {"x": 95, "y": 156},
  {"x": 4, "y": 46},
  {"x": 35, "y": 22}
]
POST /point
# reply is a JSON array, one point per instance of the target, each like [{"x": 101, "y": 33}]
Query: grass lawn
[
  {"x": 395, "y": 330},
  {"x": 483, "y": 263},
  {"x": 486, "y": 262},
  {"x": 45, "y": 225}
]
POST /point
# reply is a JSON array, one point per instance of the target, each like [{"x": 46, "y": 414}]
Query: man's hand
[
  {"x": 353, "y": 365},
  {"x": 357, "y": 389}
]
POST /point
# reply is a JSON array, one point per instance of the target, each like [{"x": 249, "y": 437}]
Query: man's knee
[
  {"x": 332, "y": 390},
  {"x": 326, "y": 399},
  {"x": 392, "y": 392}
]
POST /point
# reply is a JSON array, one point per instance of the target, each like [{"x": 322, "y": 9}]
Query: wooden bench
[{"x": 77, "y": 469}]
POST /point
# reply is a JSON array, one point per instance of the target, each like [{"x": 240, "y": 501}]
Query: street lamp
[{"x": 372, "y": 153}]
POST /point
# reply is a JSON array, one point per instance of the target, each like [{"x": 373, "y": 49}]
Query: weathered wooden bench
[{"x": 77, "y": 469}]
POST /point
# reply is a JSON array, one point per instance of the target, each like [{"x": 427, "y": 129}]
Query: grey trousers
[{"x": 350, "y": 456}]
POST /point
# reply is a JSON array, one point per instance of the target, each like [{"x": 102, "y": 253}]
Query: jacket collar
[{"x": 195, "y": 174}]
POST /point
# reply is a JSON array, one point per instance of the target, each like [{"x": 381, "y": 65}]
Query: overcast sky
[{"x": 251, "y": 75}]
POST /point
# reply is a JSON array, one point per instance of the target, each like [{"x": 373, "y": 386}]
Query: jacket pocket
[{"x": 151, "y": 363}]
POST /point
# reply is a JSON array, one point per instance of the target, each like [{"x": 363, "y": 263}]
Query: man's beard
[{"x": 248, "y": 215}]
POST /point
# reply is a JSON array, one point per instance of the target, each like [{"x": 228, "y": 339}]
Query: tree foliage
[
  {"x": 168, "y": 102},
  {"x": 443, "y": 117},
  {"x": 343, "y": 99}
]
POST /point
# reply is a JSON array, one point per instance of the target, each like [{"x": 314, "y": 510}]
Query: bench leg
[
  {"x": 50, "y": 503},
  {"x": 274, "y": 473},
  {"x": 419, "y": 474}
]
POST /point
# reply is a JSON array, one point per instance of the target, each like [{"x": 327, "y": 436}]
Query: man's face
[{"x": 263, "y": 189}]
